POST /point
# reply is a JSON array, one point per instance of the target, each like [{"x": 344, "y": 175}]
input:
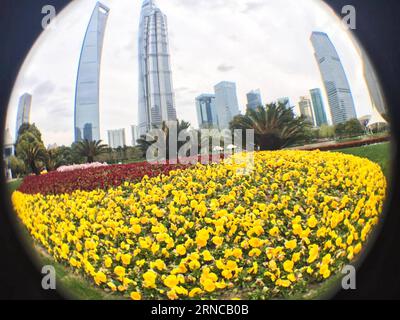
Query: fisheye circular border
[{"x": 23, "y": 18}]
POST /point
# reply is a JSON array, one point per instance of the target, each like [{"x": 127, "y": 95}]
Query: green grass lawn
[
  {"x": 81, "y": 288},
  {"x": 74, "y": 286},
  {"x": 13, "y": 185},
  {"x": 379, "y": 153}
]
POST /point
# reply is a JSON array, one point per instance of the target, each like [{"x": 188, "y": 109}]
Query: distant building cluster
[
  {"x": 254, "y": 99},
  {"x": 116, "y": 138},
  {"x": 337, "y": 88},
  {"x": 156, "y": 101}
]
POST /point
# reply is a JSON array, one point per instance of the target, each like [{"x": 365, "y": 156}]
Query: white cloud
[{"x": 257, "y": 44}]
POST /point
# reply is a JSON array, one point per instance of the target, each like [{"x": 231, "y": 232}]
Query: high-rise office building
[
  {"x": 116, "y": 138},
  {"x": 87, "y": 114},
  {"x": 9, "y": 146},
  {"x": 135, "y": 135},
  {"x": 206, "y": 111},
  {"x": 306, "y": 109},
  {"x": 8, "y": 151},
  {"x": 373, "y": 86},
  {"x": 318, "y": 106},
  {"x": 23, "y": 112},
  {"x": 285, "y": 101},
  {"x": 226, "y": 102},
  {"x": 337, "y": 87},
  {"x": 254, "y": 99},
  {"x": 156, "y": 94}
]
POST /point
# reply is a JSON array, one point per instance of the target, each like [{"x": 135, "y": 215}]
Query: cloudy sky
[{"x": 256, "y": 43}]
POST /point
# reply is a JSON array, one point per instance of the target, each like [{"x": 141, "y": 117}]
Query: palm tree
[
  {"x": 147, "y": 140},
  {"x": 275, "y": 126},
  {"x": 90, "y": 149},
  {"x": 32, "y": 154}
]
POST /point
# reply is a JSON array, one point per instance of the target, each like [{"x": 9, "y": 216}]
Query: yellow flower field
[{"x": 216, "y": 231}]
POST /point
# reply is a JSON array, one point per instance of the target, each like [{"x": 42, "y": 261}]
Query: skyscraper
[
  {"x": 206, "y": 111},
  {"x": 9, "y": 146},
  {"x": 24, "y": 112},
  {"x": 226, "y": 103},
  {"x": 334, "y": 77},
  {"x": 373, "y": 85},
  {"x": 8, "y": 151},
  {"x": 135, "y": 136},
  {"x": 374, "y": 88},
  {"x": 318, "y": 106},
  {"x": 306, "y": 109},
  {"x": 87, "y": 114},
  {"x": 254, "y": 99},
  {"x": 116, "y": 138},
  {"x": 156, "y": 95}
]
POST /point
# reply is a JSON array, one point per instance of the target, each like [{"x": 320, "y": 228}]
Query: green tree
[
  {"x": 90, "y": 149},
  {"x": 17, "y": 166},
  {"x": 77, "y": 158},
  {"x": 351, "y": 128},
  {"x": 340, "y": 130},
  {"x": 30, "y": 148},
  {"x": 275, "y": 126},
  {"x": 60, "y": 156},
  {"x": 31, "y": 128},
  {"x": 354, "y": 128},
  {"x": 326, "y": 131}
]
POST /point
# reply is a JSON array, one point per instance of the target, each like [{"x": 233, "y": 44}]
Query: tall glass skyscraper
[
  {"x": 156, "y": 95},
  {"x": 206, "y": 111},
  {"x": 87, "y": 116},
  {"x": 306, "y": 109},
  {"x": 254, "y": 99},
  {"x": 318, "y": 106},
  {"x": 334, "y": 77},
  {"x": 226, "y": 102},
  {"x": 23, "y": 112},
  {"x": 134, "y": 135},
  {"x": 377, "y": 100}
]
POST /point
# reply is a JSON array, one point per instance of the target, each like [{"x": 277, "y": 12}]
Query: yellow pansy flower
[{"x": 136, "y": 295}]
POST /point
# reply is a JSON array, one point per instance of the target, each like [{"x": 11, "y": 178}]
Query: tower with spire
[{"x": 156, "y": 95}]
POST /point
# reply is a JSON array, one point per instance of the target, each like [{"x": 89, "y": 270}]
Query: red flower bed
[{"x": 94, "y": 178}]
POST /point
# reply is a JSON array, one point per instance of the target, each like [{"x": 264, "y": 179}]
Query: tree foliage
[
  {"x": 351, "y": 128},
  {"x": 61, "y": 156},
  {"x": 275, "y": 126},
  {"x": 30, "y": 148},
  {"x": 17, "y": 166},
  {"x": 90, "y": 149},
  {"x": 326, "y": 131}
]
